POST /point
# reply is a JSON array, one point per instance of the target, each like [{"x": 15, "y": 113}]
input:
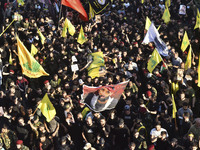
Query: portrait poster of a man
[{"x": 103, "y": 98}]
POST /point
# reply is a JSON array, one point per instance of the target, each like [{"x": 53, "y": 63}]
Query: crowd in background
[{"x": 142, "y": 118}]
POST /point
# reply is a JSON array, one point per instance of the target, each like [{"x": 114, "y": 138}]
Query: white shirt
[{"x": 156, "y": 133}]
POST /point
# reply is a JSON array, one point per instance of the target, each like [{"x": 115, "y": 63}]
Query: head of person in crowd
[{"x": 19, "y": 144}]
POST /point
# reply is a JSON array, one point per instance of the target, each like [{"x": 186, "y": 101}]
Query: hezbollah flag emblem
[{"x": 30, "y": 67}]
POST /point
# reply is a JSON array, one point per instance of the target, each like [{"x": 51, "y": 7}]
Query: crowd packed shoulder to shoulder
[{"x": 142, "y": 118}]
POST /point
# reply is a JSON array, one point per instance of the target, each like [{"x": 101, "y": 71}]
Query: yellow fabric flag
[
  {"x": 166, "y": 15},
  {"x": 64, "y": 31},
  {"x": 148, "y": 23},
  {"x": 85, "y": 111},
  {"x": 10, "y": 59},
  {"x": 174, "y": 110},
  {"x": 168, "y": 3},
  {"x": 47, "y": 108},
  {"x": 42, "y": 37},
  {"x": 154, "y": 60},
  {"x": 142, "y": 1},
  {"x": 197, "y": 25},
  {"x": 188, "y": 62},
  {"x": 174, "y": 88},
  {"x": 91, "y": 12},
  {"x": 20, "y": 3},
  {"x": 97, "y": 63},
  {"x": 34, "y": 50},
  {"x": 81, "y": 37},
  {"x": 30, "y": 67},
  {"x": 199, "y": 72},
  {"x": 185, "y": 42},
  {"x": 70, "y": 27}
]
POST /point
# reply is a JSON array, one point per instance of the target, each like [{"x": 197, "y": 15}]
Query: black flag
[{"x": 99, "y": 5}]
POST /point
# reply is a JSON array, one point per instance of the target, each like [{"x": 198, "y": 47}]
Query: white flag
[{"x": 153, "y": 36}]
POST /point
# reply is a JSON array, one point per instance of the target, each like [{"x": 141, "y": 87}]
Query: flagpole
[{"x": 60, "y": 13}]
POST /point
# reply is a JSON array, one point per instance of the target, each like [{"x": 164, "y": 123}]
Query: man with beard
[{"x": 101, "y": 100}]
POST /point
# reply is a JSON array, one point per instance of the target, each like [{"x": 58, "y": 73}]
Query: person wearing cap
[
  {"x": 21, "y": 146},
  {"x": 121, "y": 137},
  {"x": 47, "y": 87},
  {"x": 189, "y": 141}
]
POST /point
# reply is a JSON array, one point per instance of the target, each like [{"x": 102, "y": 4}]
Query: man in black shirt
[{"x": 89, "y": 131}]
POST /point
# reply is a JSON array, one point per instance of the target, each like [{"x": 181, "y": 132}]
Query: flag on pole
[
  {"x": 174, "y": 87},
  {"x": 81, "y": 37},
  {"x": 174, "y": 110},
  {"x": 142, "y": 1},
  {"x": 34, "y": 50},
  {"x": 64, "y": 31},
  {"x": 41, "y": 37},
  {"x": 20, "y": 3},
  {"x": 68, "y": 25},
  {"x": 30, "y": 67},
  {"x": 163, "y": 67},
  {"x": 154, "y": 60},
  {"x": 185, "y": 42},
  {"x": 158, "y": 27},
  {"x": 199, "y": 72},
  {"x": 153, "y": 36},
  {"x": 76, "y": 5},
  {"x": 188, "y": 62},
  {"x": 85, "y": 111},
  {"x": 47, "y": 108},
  {"x": 166, "y": 15},
  {"x": 168, "y": 3},
  {"x": 99, "y": 5},
  {"x": 148, "y": 23},
  {"x": 91, "y": 12},
  {"x": 197, "y": 25},
  {"x": 10, "y": 59}
]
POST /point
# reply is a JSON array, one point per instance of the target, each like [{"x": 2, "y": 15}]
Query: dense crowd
[{"x": 142, "y": 118}]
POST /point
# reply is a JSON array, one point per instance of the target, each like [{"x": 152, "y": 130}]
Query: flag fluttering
[
  {"x": 81, "y": 37},
  {"x": 91, "y": 12},
  {"x": 154, "y": 61},
  {"x": 41, "y": 37},
  {"x": 34, "y": 50},
  {"x": 185, "y": 42},
  {"x": 152, "y": 35},
  {"x": 68, "y": 25},
  {"x": 76, "y": 5},
  {"x": 174, "y": 110},
  {"x": 148, "y": 23},
  {"x": 197, "y": 25},
  {"x": 10, "y": 59},
  {"x": 30, "y": 67},
  {"x": 166, "y": 15},
  {"x": 188, "y": 62},
  {"x": 47, "y": 108}
]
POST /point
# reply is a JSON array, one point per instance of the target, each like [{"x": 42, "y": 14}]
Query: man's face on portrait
[{"x": 104, "y": 93}]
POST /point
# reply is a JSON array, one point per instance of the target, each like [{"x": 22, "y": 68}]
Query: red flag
[{"x": 76, "y": 5}]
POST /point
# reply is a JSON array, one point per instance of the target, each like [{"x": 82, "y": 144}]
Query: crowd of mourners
[{"x": 142, "y": 118}]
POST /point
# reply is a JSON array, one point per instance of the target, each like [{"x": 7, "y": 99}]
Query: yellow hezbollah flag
[
  {"x": 30, "y": 67},
  {"x": 154, "y": 61},
  {"x": 142, "y": 1},
  {"x": 85, "y": 111},
  {"x": 97, "y": 63},
  {"x": 10, "y": 59},
  {"x": 166, "y": 15},
  {"x": 91, "y": 12},
  {"x": 47, "y": 108},
  {"x": 20, "y": 2},
  {"x": 41, "y": 37},
  {"x": 188, "y": 62},
  {"x": 199, "y": 72},
  {"x": 33, "y": 50},
  {"x": 64, "y": 31},
  {"x": 148, "y": 23},
  {"x": 174, "y": 110},
  {"x": 81, "y": 37},
  {"x": 197, "y": 25},
  {"x": 174, "y": 88},
  {"x": 168, "y": 3},
  {"x": 70, "y": 27},
  {"x": 185, "y": 42}
]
